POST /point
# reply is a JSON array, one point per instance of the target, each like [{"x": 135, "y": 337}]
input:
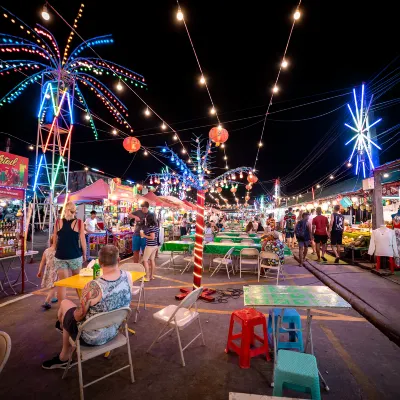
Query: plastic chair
[
  {"x": 5, "y": 349},
  {"x": 189, "y": 260},
  {"x": 247, "y": 241},
  {"x": 178, "y": 318},
  {"x": 296, "y": 371},
  {"x": 247, "y": 257},
  {"x": 249, "y": 318},
  {"x": 270, "y": 256},
  {"x": 293, "y": 322},
  {"x": 84, "y": 353},
  {"x": 225, "y": 261},
  {"x": 227, "y": 241},
  {"x": 136, "y": 267}
]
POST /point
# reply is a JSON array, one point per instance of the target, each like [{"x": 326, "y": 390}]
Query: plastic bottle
[{"x": 96, "y": 270}]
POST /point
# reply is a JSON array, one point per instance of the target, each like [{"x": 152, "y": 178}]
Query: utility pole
[{"x": 377, "y": 207}]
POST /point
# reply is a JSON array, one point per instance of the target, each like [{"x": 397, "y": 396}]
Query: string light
[
  {"x": 386, "y": 175},
  {"x": 318, "y": 186},
  {"x": 222, "y": 146},
  {"x": 163, "y": 126},
  {"x": 119, "y": 86},
  {"x": 147, "y": 112},
  {"x": 202, "y": 80},
  {"x": 86, "y": 168},
  {"x": 114, "y": 131},
  {"x": 45, "y": 13},
  {"x": 260, "y": 144},
  {"x": 349, "y": 164},
  {"x": 275, "y": 89},
  {"x": 31, "y": 147},
  {"x": 87, "y": 116},
  {"x": 184, "y": 151},
  {"x": 175, "y": 137},
  {"x": 212, "y": 111},
  {"x": 47, "y": 96},
  {"x": 225, "y": 157},
  {"x": 296, "y": 15},
  {"x": 284, "y": 64},
  {"x": 331, "y": 177},
  {"x": 179, "y": 15},
  {"x": 145, "y": 153}
]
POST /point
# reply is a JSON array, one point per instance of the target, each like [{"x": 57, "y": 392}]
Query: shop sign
[
  {"x": 11, "y": 193},
  {"x": 13, "y": 170},
  {"x": 120, "y": 192},
  {"x": 390, "y": 190}
]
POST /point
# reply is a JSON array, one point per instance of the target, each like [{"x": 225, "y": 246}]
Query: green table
[
  {"x": 193, "y": 237},
  {"x": 230, "y": 233},
  {"x": 177, "y": 245},
  {"x": 222, "y": 248},
  {"x": 236, "y": 239},
  {"x": 281, "y": 297}
]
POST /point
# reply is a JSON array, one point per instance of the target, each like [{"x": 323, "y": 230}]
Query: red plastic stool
[{"x": 249, "y": 318}]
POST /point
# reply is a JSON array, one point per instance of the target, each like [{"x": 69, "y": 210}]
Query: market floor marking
[{"x": 367, "y": 386}]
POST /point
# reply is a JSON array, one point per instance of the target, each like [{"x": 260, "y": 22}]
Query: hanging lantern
[
  {"x": 252, "y": 178},
  {"x": 218, "y": 135},
  {"x": 219, "y": 189},
  {"x": 247, "y": 198},
  {"x": 362, "y": 207},
  {"x": 131, "y": 144},
  {"x": 233, "y": 189},
  {"x": 248, "y": 187}
]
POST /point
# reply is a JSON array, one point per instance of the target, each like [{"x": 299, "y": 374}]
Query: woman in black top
[{"x": 70, "y": 242}]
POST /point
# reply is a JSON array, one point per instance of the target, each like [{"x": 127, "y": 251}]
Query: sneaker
[
  {"x": 146, "y": 279},
  {"x": 46, "y": 305},
  {"x": 324, "y": 259},
  {"x": 58, "y": 327},
  {"x": 54, "y": 363},
  {"x": 337, "y": 260},
  {"x": 54, "y": 300}
]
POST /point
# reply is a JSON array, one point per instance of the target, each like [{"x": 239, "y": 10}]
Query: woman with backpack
[{"x": 303, "y": 236}]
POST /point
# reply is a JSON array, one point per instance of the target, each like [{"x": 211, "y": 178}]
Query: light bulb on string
[
  {"x": 222, "y": 146},
  {"x": 147, "y": 112},
  {"x": 86, "y": 168},
  {"x": 163, "y": 126},
  {"x": 31, "y": 147},
  {"x": 202, "y": 80},
  {"x": 47, "y": 96},
  {"x": 175, "y": 137},
  {"x": 179, "y": 15},
  {"x": 119, "y": 86},
  {"x": 349, "y": 164},
  {"x": 212, "y": 111},
  {"x": 260, "y": 144},
  {"x": 114, "y": 132},
  {"x": 318, "y": 186},
  {"x": 284, "y": 64},
  {"x": 45, "y": 13},
  {"x": 275, "y": 89},
  {"x": 183, "y": 151},
  {"x": 331, "y": 177},
  {"x": 296, "y": 15},
  {"x": 145, "y": 153}
]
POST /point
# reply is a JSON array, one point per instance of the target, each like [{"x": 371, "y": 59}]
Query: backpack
[
  {"x": 289, "y": 222},
  {"x": 300, "y": 230}
]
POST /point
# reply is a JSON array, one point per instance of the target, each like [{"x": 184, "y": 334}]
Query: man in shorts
[
  {"x": 336, "y": 227},
  {"x": 139, "y": 243},
  {"x": 320, "y": 226},
  {"x": 289, "y": 223},
  {"x": 303, "y": 236}
]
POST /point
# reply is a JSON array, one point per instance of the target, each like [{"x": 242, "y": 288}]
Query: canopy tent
[
  {"x": 97, "y": 191},
  {"x": 176, "y": 202},
  {"x": 191, "y": 205},
  {"x": 151, "y": 197}
]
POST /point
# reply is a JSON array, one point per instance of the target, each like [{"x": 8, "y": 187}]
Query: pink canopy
[
  {"x": 151, "y": 197},
  {"x": 189, "y": 204},
  {"x": 176, "y": 202},
  {"x": 95, "y": 192}
]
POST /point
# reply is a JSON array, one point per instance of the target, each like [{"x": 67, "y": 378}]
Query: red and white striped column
[{"x": 198, "y": 247}]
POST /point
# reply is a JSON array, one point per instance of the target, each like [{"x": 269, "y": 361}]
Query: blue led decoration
[{"x": 362, "y": 140}]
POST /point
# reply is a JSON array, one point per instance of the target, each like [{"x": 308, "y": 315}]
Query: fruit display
[{"x": 359, "y": 241}]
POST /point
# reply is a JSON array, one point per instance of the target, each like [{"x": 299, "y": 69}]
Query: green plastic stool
[{"x": 296, "y": 371}]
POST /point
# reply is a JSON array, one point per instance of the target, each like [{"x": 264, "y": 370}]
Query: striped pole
[{"x": 198, "y": 246}]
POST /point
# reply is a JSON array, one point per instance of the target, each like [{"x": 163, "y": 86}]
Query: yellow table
[{"x": 79, "y": 282}]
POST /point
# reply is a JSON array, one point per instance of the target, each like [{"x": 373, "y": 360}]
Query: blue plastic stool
[
  {"x": 296, "y": 371},
  {"x": 292, "y": 318}
]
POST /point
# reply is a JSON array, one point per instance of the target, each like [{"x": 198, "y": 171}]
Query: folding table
[{"x": 301, "y": 297}]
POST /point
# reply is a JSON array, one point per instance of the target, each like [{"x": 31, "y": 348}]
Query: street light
[{"x": 45, "y": 13}]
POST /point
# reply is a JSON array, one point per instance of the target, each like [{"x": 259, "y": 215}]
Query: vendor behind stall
[
  {"x": 138, "y": 243},
  {"x": 91, "y": 223}
]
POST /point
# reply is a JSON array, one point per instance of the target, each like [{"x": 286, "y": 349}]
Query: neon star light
[{"x": 362, "y": 141}]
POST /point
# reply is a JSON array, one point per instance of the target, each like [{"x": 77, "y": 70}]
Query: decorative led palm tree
[
  {"x": 194, "y": 175},
  {"x": 61, "y": 81}
]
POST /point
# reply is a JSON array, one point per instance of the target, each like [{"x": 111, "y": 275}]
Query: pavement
[{"x": 355, "y": 358}]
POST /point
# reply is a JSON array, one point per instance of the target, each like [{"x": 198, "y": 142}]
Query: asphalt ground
[{"x": 357, "y": 360}]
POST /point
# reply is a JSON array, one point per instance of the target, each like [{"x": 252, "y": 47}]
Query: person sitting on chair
[{"x": 107, "y": 293}]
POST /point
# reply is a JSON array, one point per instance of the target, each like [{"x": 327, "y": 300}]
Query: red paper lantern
[
  {"x": 218, "y": 135},
  {"x": 252, "y": 178},
  {"x": 247, "y": 198},
  {"x": 248, "y": 187},
  {"x": 233, "y": 190},
  {"x": 219, "y": 190},
  {"x": 131, "y": 144}
]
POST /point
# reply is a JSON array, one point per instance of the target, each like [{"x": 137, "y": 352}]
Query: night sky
[{"x": 335, "y": 46}]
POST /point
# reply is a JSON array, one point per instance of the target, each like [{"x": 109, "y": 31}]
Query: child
[
  {"x": 151, "y": 234},
  {"x": 49, "y": 275},
  {"x": 208, "y": 233}
]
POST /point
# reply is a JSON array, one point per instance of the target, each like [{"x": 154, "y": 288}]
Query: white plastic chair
[
  {"x": 84, "y": 353},
  {"x": 136, "y": 267},
  {"x": 271, "y": 256},
  {"x": 230, "y": 241},
  {"x": 247, "y": 241},
  {"x": 246, "y": 260},
  {"x": 178, "y": 318},
  {"x": 5, "y": 349},
  {"x": 189, "y": 260},
  {"x": 226, "y": 261}
]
